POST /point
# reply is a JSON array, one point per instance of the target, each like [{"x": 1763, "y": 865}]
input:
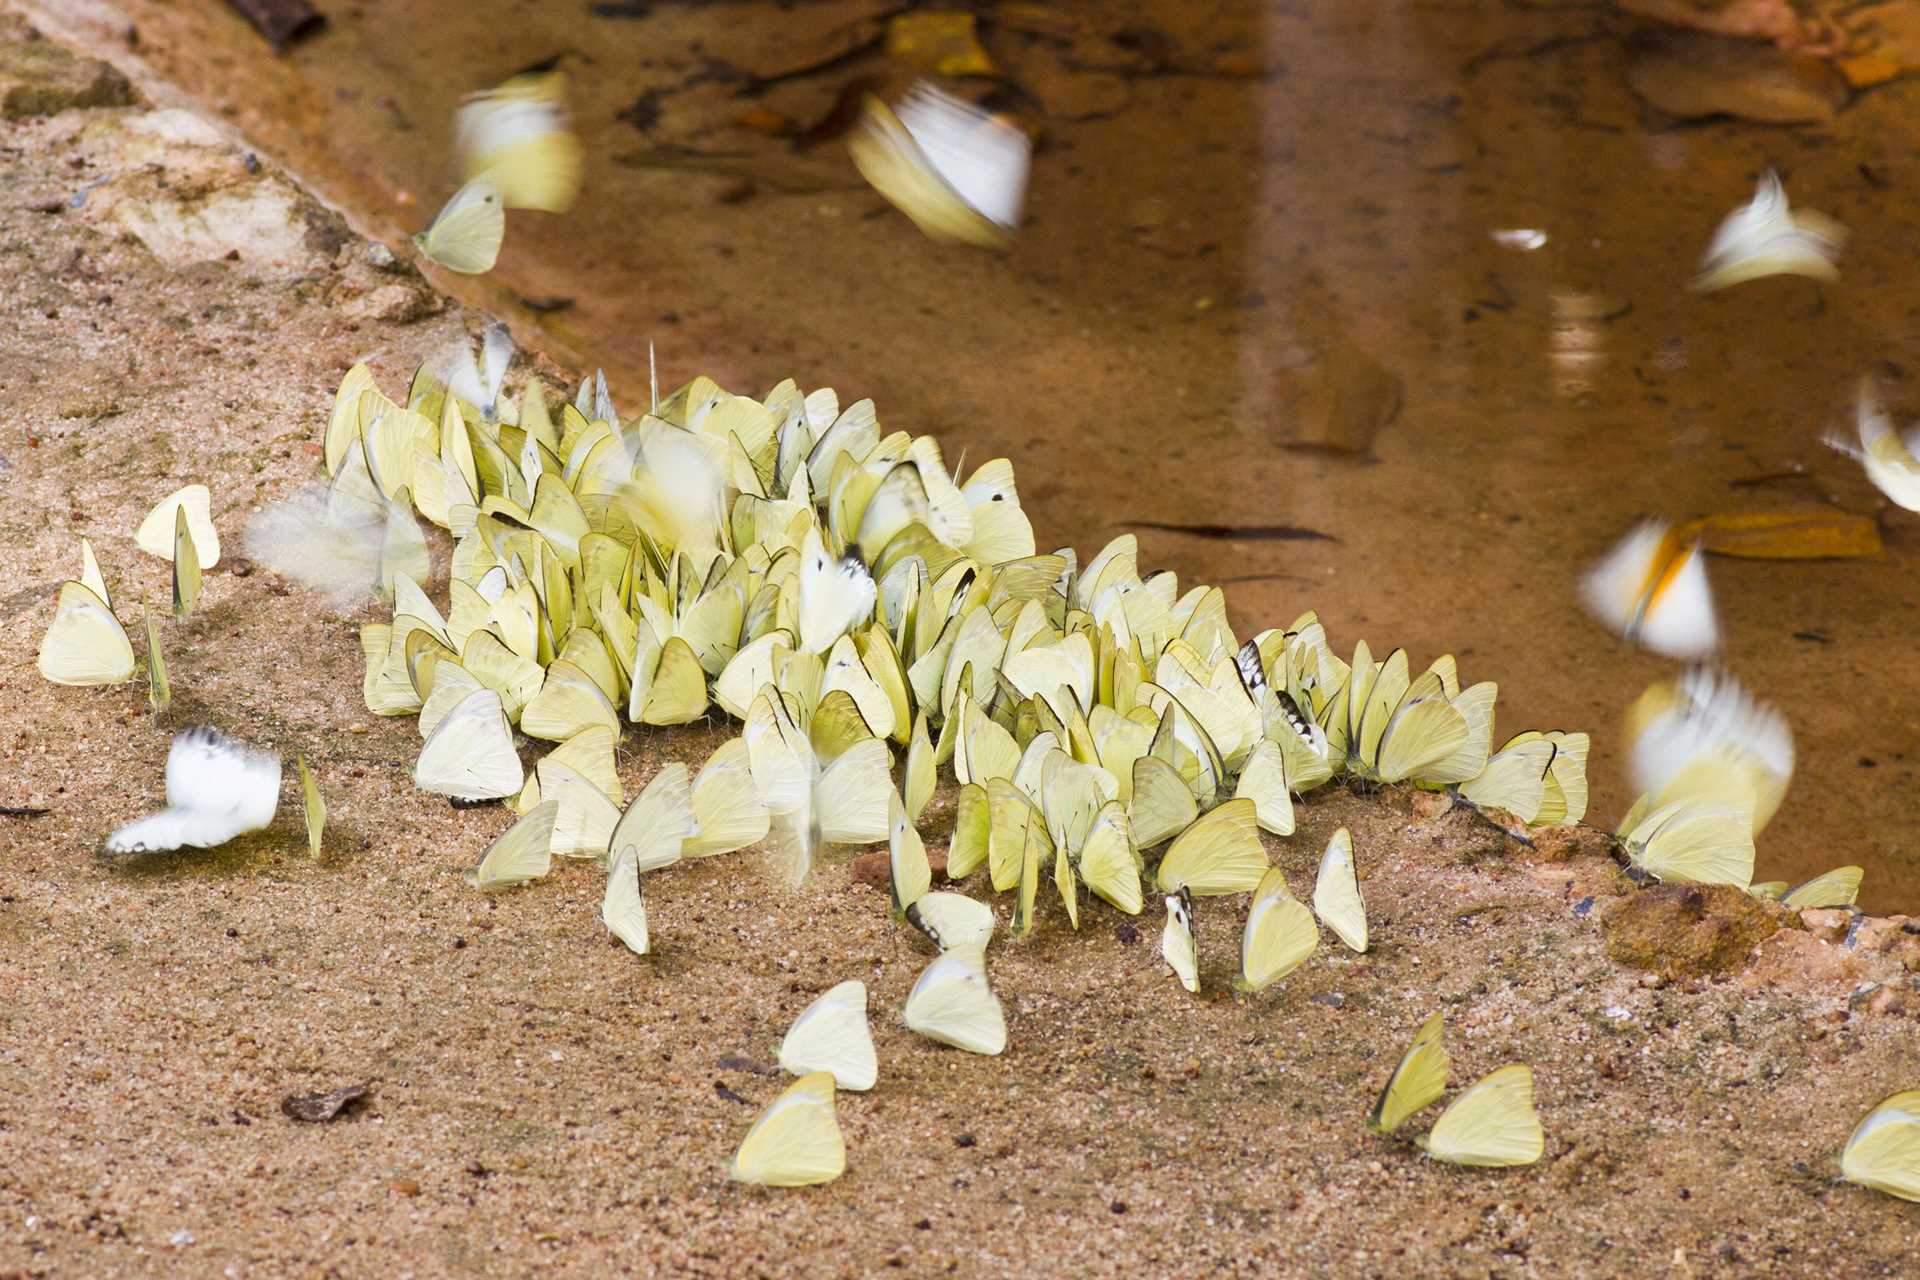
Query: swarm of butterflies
[{"x": 845, "y": 596}]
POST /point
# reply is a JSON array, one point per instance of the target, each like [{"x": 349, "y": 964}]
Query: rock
[
  {"x": 178, "y": 185},
  {"x": 396, "y": 303},
  {"x": 40, "y": 78},
  {"x": 1877, "y": 935},
  {"x": 1687, "y": 931},
  {"x": 1693, "y": 75},
  {"x": 1888, "y": 1000},
  {"x": 1829, "y": 924},
  {"x": 1563, "y": 844},
  {"x": 1799, "y": 960}
]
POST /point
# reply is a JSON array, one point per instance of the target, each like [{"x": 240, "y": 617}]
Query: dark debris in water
[{"x": 1237, "y": 532}]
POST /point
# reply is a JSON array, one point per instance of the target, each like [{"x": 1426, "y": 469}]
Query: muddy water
[{"x": 1236, "y": 218}]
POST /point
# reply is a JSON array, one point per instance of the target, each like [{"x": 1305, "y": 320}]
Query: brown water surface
[{"x": 1227, "y": 201}]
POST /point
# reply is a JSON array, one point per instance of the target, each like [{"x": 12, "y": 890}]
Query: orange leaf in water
[
  {"x": 1786, "y": 535},
  {"x": 941, "y": 43}
]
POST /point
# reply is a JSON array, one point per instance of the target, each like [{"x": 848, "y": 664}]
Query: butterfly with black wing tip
[
  {"x": 217, "y": 788},
  {"x": 835, "y": 595}
]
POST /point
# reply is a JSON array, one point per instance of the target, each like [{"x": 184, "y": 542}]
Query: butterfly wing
[{"x": 1491, "y": 1125}]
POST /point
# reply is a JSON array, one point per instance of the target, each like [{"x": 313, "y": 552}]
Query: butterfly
[
  {"x": 1417, "y": 1082},
  {"x": 952, "y": 1003},
  {"x": 1697, "y": 829},
  {"x": 831, "y": 1034},
  {"x": 1336, "y": 892},
  {"x": 1178, "y": 944},
  {"x": 1883, "y": 1151},
  {"x": 843, "y": 802},
  {"x": 1219, "y": 853},
  {"x": 517, "y": 138},
  {"x": 315, "y": 805},
  {"x": 470, "y": 754},
  {"x": 834, "y": 594},
  {"x": 159, "y": 531},
  {"x": 1891, "y": 459},
  {"x": 960, "y": 174},
  {"x": 796, "y": 1141},
  {"x": 85, "y": 644},
  {"x": 623, "y": 907},
  {"x": 1765, "y": 237},
  {"x": 1705, "y": 717},
  {"x": 1491, "y": 1125},
  {"x": 465, "y": 235},
  {"x": 1280, "y": 935},
  {"x": 1652, "y": 588},
  {"x": 217, "y": 788},
  {"x": 523, "y": 852}
]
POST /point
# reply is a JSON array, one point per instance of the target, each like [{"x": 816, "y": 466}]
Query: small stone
[
  {"x": 1888, "y": 1000},
  {"x": 404, "y": 1187},
  {"x": 1331, "y": 999},
  {"x": 396, "y": 303},
  {"x": 181, "y": 1238},
  {"x": 41, "y": 78},
  {"x": 1118, "y": 1206},
  {"x": 963, "y": 1140},
  {"x": 1828, "y": 924}
]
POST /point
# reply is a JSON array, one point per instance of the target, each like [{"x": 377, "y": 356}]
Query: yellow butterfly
[
  {"x": 1883, "y": 1151},
  {"x": 1491, "y": 1125},
  {"x": 1280, "y": 936},
  {"x": 316, "y": 806},
  {"x": 960, "y": 174},
  {"x": 159, "y": 691},
  {"x": 1220, "y": 853},
  {"x": 1336, "y": 892},
  {"x": 1417, "y": 1082},
  {"x": 465, "y": 235},
  {"x": 158, "y": 533},
  {"x": 523, "y": 852},
  {"x": 796, "y": 1141},
  {"x": 85, "y": 644},
  {"x": 516, "y": 137}
]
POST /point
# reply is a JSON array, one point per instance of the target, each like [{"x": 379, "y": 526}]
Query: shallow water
[{"x": 1224, "y": 204}]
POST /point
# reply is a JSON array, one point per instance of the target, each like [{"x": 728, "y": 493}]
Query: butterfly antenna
[{"x": 653, "y": 381}]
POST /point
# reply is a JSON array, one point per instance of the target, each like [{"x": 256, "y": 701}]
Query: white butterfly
[
  {"x": 1891, "y": 458},
  {"x": 478, "y": 381},
  {"x": 1766, "y": 238},
  {"x": 217, "y": 788},
  {"x": 835, "y": 595}
]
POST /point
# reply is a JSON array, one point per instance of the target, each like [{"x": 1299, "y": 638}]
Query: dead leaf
[
  {"x": 1787, "y": 535},
  {"x": 318, "y": 1108},
  {"x": 761, "y": 120},
  {"x": 1883, "y": 43},
  {"x": 941, "y": 43}
]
